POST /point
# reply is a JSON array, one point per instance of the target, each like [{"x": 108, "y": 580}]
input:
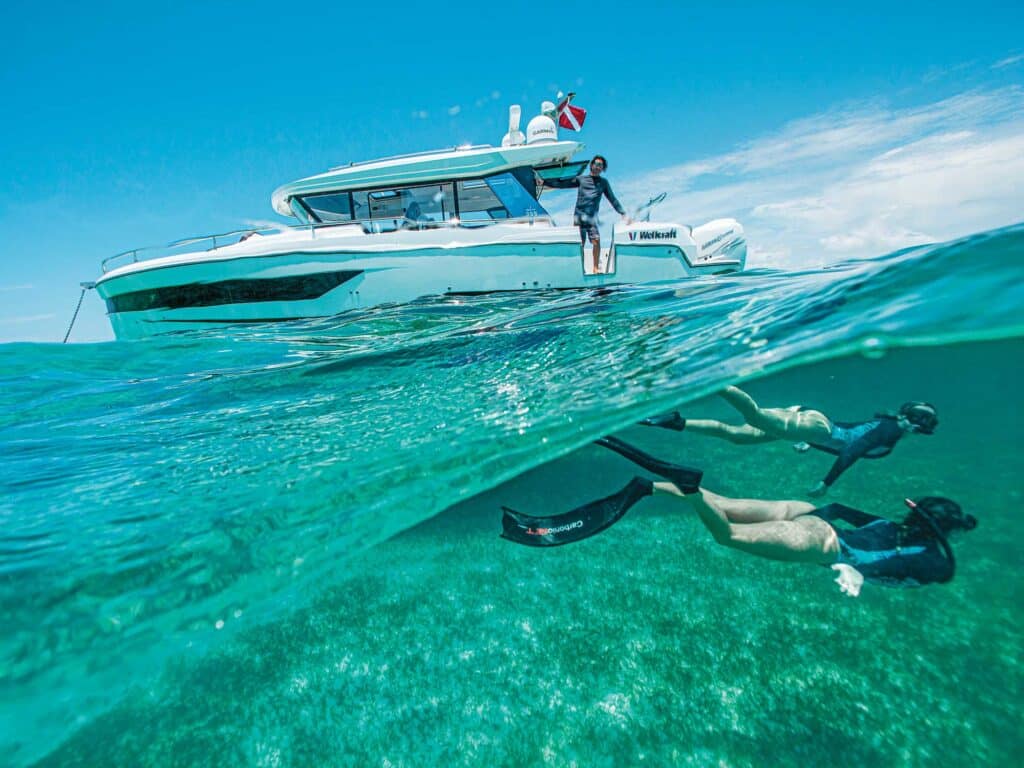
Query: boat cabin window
[
  {"x": 299, "y": 212},
  {"x": 497, "y": 197},
  {"x": 478, "y": 203},
  {"x": 334, "y": 206},
  {"x": 502, "y": 196},
  {"x": 406, "y": 208}
]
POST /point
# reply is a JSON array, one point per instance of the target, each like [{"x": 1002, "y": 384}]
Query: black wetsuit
[
  {"x": 874, "y": 548},
  {"x": 861, "y": 439},
  {"x": 588, "y": 200}
]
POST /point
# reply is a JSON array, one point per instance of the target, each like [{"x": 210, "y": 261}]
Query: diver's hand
[
  {"x": 850, "y": 580},
  {"x": 818, "y": 491}
]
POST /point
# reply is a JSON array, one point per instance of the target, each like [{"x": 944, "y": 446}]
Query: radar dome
[{"x": 540, "y": 130}]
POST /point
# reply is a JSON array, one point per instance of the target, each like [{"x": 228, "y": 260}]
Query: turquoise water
[{"x": 280, "y": 547}]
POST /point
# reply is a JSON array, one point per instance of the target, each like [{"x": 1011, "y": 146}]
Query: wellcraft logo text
[{"x": 653, "y": 234}]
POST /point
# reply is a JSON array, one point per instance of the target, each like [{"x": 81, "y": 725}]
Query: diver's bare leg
[
  {"x": 804, "y": 539},
  {"x": 597, "y": 256},
  {"x": 783, "y": 423},
  {"x": 746, "y": 511},
  {"x": 740, "y": 435}
]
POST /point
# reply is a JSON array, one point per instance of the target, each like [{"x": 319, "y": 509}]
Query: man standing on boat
[{"x": 591, "y": 187}]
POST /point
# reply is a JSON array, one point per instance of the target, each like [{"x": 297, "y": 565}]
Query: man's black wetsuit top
[
  {"x": 861, "y": 439},
  {"x": 588, "y": 200},
  {"x": 873, "y": 547}
]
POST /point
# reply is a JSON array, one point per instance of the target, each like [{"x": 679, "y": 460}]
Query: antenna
[{"x": 514, "y": 137}]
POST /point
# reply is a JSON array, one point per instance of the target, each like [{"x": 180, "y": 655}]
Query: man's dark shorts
[{"x": 588, "y": 230}]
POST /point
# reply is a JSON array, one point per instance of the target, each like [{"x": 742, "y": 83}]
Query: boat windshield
[{"x": 508, "y": 195}]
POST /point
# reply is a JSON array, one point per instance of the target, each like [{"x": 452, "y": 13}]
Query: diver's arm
[
  {"x": 854, "y": 517},
  {"x": 912, "y": 569},
  {"x": 848, "y": 456}
]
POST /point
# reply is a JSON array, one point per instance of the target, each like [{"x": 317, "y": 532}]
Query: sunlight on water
[{"x": 228, "y": 549}]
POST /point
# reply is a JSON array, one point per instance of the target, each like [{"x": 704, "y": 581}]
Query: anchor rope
[{"x": 81, "y": 296}]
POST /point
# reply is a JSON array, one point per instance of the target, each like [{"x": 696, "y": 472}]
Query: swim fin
[
  {"x": 579, "y": 524},
  {"x": 671, "y": 421},
  {"x": 686, "y": 479}
]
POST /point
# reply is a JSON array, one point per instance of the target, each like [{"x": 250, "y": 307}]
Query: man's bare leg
[
  {"x": 783, "y": 423},
  {"x": 597, "y": 256}
]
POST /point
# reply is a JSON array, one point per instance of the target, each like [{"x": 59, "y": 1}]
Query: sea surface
[{"x": 279, "y": 546}]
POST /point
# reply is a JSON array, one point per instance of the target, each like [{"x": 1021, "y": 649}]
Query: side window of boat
[
  {"x": 427, "y": 205},
  {"x": 477, "y": 202},
  {"x": 336, "y": 206},
  {"x": 385, "y": 210},
  {"x": 513, "y": 196},
  {"x": 380, "y": 210},
  {"x": 497, "y": 197},
  {"x": 299, "y": 211}
]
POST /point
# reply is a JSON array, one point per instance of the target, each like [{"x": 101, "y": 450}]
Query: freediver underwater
[
  {"x": 911, "y": 552},
  {"x": 807, "y": 428}
]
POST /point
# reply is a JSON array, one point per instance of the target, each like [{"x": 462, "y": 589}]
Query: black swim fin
[
  {"x": 672, "y": 421},
  {"x": 580, "y": 523},
  {"x": 686, "y": 479}
]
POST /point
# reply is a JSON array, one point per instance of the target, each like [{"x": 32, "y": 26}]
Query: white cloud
[
  {"x": 265, "y": 223},
  {"x": 454, "y": 110},
  {"x": 859, "y": 181},
  {"x": 1009, "y": 61},
  {"x": 26, "y": 319}
]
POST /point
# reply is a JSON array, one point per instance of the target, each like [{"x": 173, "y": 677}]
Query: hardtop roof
[{"x": 425, "y": 168}]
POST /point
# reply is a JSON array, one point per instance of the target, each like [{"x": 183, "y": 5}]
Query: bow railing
[{"x": 369, "y": 226}]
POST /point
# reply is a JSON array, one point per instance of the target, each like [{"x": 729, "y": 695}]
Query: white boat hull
[{"x": 308, "y": 274}]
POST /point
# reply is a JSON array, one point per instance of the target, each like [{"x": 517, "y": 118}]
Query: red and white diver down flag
[{"x": 571, "y": 117}]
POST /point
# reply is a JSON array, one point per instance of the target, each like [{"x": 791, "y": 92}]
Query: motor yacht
[{"x": 463, "y": 220}]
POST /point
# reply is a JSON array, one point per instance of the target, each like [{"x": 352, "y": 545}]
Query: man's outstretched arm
[
  {"x": 613, "y": 199},
  {"x": 560, "y": 183}
]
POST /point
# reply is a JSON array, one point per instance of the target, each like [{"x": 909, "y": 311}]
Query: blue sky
[{"x": 829, "y": 132}]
